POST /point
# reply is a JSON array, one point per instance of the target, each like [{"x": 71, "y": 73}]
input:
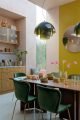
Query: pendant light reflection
[
  {"x": 44, "y": 30},
  {"x": 77, "y": 29}
]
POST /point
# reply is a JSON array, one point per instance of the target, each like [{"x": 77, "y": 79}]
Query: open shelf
[
  {"x": 6, "y": 52},
  {"x": 9, "y": 42}
]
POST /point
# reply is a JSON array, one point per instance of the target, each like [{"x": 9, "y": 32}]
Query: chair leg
[
  {"x": 69, "y": 114},
  {"x": 24, "y": 110},
  {"x": 42, "y": 116},
  {"x": 55, "y": 116},
  {"x": 14, "y": 110},
  {"x": 50, "y": 115},
  {"x": 34, "y": 113},
  {"x": 28, "y": 105}
]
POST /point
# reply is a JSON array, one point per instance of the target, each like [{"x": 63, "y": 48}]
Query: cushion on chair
[
  {"x": 31, "y": 98},
  {"x": 63, "y": 107}
]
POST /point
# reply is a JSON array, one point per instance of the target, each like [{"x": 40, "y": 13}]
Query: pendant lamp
[{"x": 45, "y": 29}]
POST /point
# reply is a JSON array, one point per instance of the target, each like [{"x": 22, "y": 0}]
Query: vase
[{"x": 63, "y": 76}]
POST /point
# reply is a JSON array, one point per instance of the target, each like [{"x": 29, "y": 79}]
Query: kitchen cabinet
[
  {"x": 6, "y": 84},
  {"x": 8, "y": 36}
]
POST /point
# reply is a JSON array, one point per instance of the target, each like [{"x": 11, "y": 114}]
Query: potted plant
[{"x": 19, "y": 55}]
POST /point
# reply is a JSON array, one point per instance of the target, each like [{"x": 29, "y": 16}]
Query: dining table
[{"x": 68, "y": 84}]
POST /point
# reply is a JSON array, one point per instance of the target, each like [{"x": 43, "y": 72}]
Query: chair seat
[
  {"x": 63, "y": 107},
  {"x": 31, "y": 98}
]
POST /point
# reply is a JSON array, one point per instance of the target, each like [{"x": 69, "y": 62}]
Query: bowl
[
  {"x": 45, "y": 80},
  {"x": 56, "y": 80}
]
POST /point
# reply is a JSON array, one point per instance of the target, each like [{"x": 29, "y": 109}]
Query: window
[{"x": 40, "y": 44}]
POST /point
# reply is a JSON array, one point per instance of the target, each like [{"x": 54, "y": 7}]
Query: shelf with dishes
[{"x": 9, "y": 35}]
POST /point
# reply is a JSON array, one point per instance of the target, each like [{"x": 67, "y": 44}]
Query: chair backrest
[
  {"x": 49, "y": 98},
  {"x": 74, "y": 76},
  {"x": 34, "y": 71},
  {"x": 19, "y": 74},
  {"x": 21, "y": 90}
]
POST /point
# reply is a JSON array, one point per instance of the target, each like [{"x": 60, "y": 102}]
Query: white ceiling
[
  {"x": 49, "y": 4},
  {"x": 9, "y": 14}
]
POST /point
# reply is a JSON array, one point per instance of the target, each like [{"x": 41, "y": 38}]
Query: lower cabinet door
[{"x": 6, "y": 84}]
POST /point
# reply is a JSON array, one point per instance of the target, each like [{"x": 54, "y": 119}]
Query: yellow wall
[{"x": 68, "y": 15}]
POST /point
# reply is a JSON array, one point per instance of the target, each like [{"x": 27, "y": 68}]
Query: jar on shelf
[
  {"x": 3, "y": 63},
  {"x": 4, "y": 23}
]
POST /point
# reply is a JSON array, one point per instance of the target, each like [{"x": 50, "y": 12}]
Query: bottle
[
  {"x": 5, "y": 49},
  {"x": 3, "y": 63},
  {"x": 3, "y": 23},
  {"x": 10, "y": 62}
]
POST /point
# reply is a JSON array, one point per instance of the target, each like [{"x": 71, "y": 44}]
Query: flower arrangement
[
  {"x": 42, "y": 73},
  {"x": 56, "y": 63},
  {"x": 65, "y": 64}
]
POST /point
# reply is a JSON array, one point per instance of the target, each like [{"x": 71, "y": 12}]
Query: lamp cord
[
  {"x": 43, "y": 9},
  {"x": 43, "y": 3}
]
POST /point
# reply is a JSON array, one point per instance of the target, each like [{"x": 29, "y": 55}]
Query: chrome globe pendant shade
[{"x": 44, "y": 30}]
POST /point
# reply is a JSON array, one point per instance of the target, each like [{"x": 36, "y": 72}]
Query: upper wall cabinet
[
  {"x": 8, "y": 35},
  {"x": 71, "y": 41}
]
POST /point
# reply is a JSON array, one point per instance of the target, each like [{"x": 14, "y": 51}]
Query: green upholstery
[
  {"x": 50, "y": 98},
  {"x": 45, "y": 97},
  {"x": 22, "y": 91},
  {"x": 74, "y": 76},
  {"x": 19, "y": 74},
  {"x": 62, "y": 108}
]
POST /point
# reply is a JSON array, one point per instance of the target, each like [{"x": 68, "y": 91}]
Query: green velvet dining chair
[
  {"x": 22, "y": 90},
  {"x": 19, "y": 74},
  {"x": 49, "y": 100}
]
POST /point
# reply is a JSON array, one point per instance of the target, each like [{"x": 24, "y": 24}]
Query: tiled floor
[{"x": 6, "y": 108}]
